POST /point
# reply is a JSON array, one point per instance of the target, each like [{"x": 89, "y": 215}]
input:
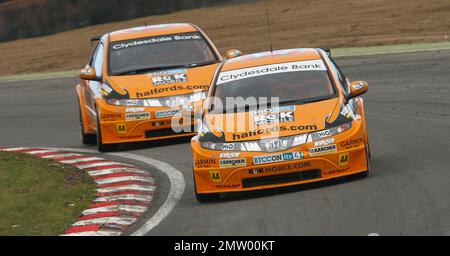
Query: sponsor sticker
[
  {"x": 228, "y": 163},
  {"x": 169, "y": 77},
  {"x": 110, "y": 117},
  {"x": 228, "y": 146},
  {"x": 207, "y": 162},
  {"x": 277, "y": 158},
  {"x": 137, "y": 116},
  {"x": 228, "y": 186},
  {"x": 234, "y": 75},
  {"x": 121, "y": 129},
  {"x": 324, "y": 142},
  {"x": 156, "y": 40},
  {"x": 343, "y": 159},
  {"x": 358, "y": 86},
  {"x": 280, "y": 168},
  {"x": 215, "y": 176},
  {"x": 134, "y": 110},
  {"x": 273, "y": 116},
  {"x": 352, "y": 143},
  {"x": 322, "y": 150},
  {"x": 167, "y": 113},
  {"x": 229, "y": 155}
]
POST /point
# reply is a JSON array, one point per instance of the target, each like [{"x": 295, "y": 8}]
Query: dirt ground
[{"x": 295, "y": 23}]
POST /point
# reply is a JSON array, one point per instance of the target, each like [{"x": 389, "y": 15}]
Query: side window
[
  {"x": 340, "y": 75},
  {"x": 97, "y": 60}
]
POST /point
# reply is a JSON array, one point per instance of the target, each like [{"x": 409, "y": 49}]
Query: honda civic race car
[
  {"x": 276, "y": 119},
  {"x": 138, "y": 79}
]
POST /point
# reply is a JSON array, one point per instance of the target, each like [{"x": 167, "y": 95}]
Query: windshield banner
[
  {"x": 155, "y": 40},
  {"x": 234, "y": 75}
]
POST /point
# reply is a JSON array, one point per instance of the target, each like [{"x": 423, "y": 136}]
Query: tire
[
  {"x": 205, "y": 198},
  {"x": 100, "y": 146},
  {"x": 369, "y": 160},
  {"x": 86, "y": 139}
]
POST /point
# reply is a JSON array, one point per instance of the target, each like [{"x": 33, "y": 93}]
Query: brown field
[{"x": 295, "y": 23}]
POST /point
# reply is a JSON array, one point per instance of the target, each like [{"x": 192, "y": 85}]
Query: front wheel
[
  {"x": 86, "y": 139},
  {"x": 369, "y": 160},
  {"x": 100, "y": 146}
]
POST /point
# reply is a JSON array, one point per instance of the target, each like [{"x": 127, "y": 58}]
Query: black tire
[
  {"x": 369, "y": 160},
  {"x": 100, "y": 146},
  {"x": 205, "y": 198},
  {"x": 86, "y": 139}
]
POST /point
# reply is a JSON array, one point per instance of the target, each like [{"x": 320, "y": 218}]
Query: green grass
[{"x": 40, "y": 197}]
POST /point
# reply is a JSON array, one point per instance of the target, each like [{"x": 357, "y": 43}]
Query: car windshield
[
  {"x": 293, "y": 83},
  {"x": 160, "y": 52}
]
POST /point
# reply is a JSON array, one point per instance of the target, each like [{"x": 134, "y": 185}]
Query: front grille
[
  {"x": 164, "y": 132},
  {"x": 280, "y": 179}
]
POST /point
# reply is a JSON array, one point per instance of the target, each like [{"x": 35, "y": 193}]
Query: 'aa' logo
[
  {"x": 121, "y": 128},
  {"x": 343, "y": 159},
  {"x": 215, "y": 176}
]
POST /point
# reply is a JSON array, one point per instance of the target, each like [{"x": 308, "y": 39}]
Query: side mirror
[
  {"x": 358, "y": 88},
  {"x": 233, "y": 54},
  {"x": 88, "y": 73}
]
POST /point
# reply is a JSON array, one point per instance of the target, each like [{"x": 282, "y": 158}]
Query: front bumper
[
  {"x": 212, "y": 176},
  {"x": 120, "y": 125}
]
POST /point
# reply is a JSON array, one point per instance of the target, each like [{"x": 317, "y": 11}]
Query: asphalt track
[{"x": 408, "y": 192}]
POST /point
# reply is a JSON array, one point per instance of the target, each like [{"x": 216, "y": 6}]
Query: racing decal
[
  {"x": 358, "y": 86},
  {"x": 323, "y": 134},
  {"x": 105, "y": 89},
  {"x": 155, "y": 40},
  {"x": 228, "y": 146},
  {"x": 275, "y": 115},
  {"x": 229, "y": 163},
  {"x": 347, "y": 111},
  {"x": 277, "y": 158},
  {"x": 322, "y": 150},
  {"x": 157, "y": 91},
  {"x": 215, "y": 176},
  {"x": 343, "y": 159},
  {"x": 167, "y": 113},
  {"x": 110, "y": 117},
  {"x": 134, "y": 110},
  {"x": 346, "y": 115},
  {"x": 109, "y": 93},
  {"x": 324, "y": 142},
  {"x": 137, "y": 116},
  {"x": 131, "y": 137},
  {"x": 229, "y": 155},
  {"x": 238, "y": 136},
  {"x": 169, "y": 77},
  {"x": 205, "y": 162},
  {"x": 228, "y": 186},
  {"x": 281, "y": 168},
  {"x": 336, "y": 172},
  {"x": 347, "y": 144},
  {"x": 121, "y": 129},
  {"x": 234, "y": 75}
]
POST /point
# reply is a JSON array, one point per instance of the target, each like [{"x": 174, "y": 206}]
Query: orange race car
[
  {"x": 277, "y": 119},
  {"x": 138, "y": 79}
]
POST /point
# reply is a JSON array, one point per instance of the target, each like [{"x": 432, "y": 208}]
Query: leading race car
[
  {"x": 138, "y": 79},
  {"x": 277, "y": 119}
]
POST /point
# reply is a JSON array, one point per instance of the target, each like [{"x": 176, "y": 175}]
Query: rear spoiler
[
  {"x": 327, "y": 50},
  {"x": 95, "y": 39}
]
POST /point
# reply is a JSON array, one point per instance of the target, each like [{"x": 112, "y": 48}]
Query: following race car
[
  {"x": 277, "y": 119},
  {"x": 138, "y": 79}
]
